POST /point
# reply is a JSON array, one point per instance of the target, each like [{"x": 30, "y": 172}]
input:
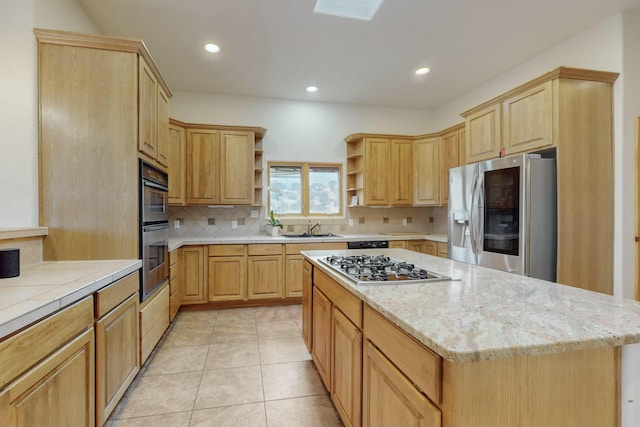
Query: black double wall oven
[{"x": 154, "y": 228}]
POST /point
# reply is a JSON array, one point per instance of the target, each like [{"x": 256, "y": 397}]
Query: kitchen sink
[{"x": 307, "y": 235}]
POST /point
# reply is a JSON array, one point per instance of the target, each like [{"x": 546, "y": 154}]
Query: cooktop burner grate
[{"x": 379, "y": 269}]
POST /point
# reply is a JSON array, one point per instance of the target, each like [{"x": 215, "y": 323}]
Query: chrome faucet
[{"x": 310, "y": 227}]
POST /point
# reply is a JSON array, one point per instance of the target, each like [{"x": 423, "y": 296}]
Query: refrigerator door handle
[
  {"x": 472, "y": 216},
  {"x": 480, "y": 208}
]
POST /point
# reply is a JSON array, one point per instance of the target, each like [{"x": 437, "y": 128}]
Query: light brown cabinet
[
  {"x": 528, "y": 119},
  {"x": 227, "y": 277},
  {"x": 483, "y": 134},
  {"x": 203, "y": 159},
  {"x": 293, "y": 263},
  {"x": 177, "y": 164},
  {"x": 397, "y": 244},
  {"x": 451, "y": 156},
  {"x": 175, "y": 282},
  {"x": 265, "y": 278},
  {"x": 47, "y": 371},
  {"x": 426, "y": 159},
  {"x": 117, "y": 343},
  {"x": 379, "y": 170},
  {"x": 307, "y": 297},
  {"x": 154, "y": 320},
  {"x": 193, "y": 289},
  {"x": 322, "y": 335},
  {"x": 153, "y": 115},
  {"x": 346, "y": 369}
]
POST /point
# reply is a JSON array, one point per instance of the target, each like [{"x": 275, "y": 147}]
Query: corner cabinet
[
  {"x": 379, "y": 170},
  {"x": 222, "y": 164}
]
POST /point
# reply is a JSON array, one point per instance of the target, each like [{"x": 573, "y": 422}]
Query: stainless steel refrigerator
[{"x": 502, "y": 215}]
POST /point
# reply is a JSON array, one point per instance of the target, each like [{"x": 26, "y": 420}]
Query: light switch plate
[
  {"x": 254, "y": 213},
  {"x": 234, "y": 224}
]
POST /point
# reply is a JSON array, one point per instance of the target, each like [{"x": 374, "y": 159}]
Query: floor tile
[
  {"x": 252, "y": 414},
  {"x": 235, "y": 331},
  {"x": 177, "y": 419},
  {"x": 188, "y": 337},
  {"x": 151, "y": 395},
  {"x": 273, "y": 313},
  {"x": 232, "y": 355},
  {"x": 234, "y": 386},
  {"x": 172, "y": 360},
  {"x": 283, "y": 350},
  {"x": 295, "y": 379},
  {"x": 270, "y": 330},
  {"x": 196, "y": 318},
  {"x": 237, "y": 314},
  {"x": 295, "y": 310},
  {"x": 303, "y": 411}
]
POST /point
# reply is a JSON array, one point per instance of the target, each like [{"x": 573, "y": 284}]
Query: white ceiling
[{"x": 276, "y": 48}]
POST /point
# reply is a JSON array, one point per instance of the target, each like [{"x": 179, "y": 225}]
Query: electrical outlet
[
  {"x": 404, "y": 221},
  {"x": 350, "y": 222},
  {"x": 385, "y": 220},
  {"x": 254, "y": 213},
  {"x": 176, "y": 223},
  {"x": 409, "y": 220},
  {"x": 431, "y": 219},
  {"x": 211, "y": 221},
  {"x": 234, "y": 224},
  {"x": 361, "y": 220}
]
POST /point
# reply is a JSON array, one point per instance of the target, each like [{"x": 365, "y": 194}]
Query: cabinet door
[
  {"x": 426, "y": 160},
  {"x": 59, "y": 391},
  {"x": 265, "y": 277},
  {"x": 415, "y": 245},
  {"x": 117, "y": 355},
  {"x": 236, "y": 167},
  {"x": 389, "y": 398},
  {"x": 449, "y": 144},
  {"x": 227, "y": 278},
  {"x": 177, "y": 165},
  {"x": 307, "y": 288},
  {"x": 483, "y": 134},
  {"x": 397, "y": 244},
  {"x": 401, "y": 171},
  {"x": 163, "y": 127},
  {"x": 322, "y": 336},
  {"x": 293, "y": 276},
  {"x": 202, "y": 166},
  {"x": 147, "y": 112},
  {"x": 193, "y": 275},
  {"x": 346, "y": 369},
  {"x": 527, "y": 120},
  {"x": 376, "y": 171},
  {"x": 430, "y": 248}
]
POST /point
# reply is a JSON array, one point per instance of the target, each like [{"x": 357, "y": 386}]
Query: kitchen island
[{"x": 486, "y": 348}]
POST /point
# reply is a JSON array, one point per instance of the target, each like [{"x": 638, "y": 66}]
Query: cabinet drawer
[
  {"x": 348, "y": 303},
  {"x": 418, "y": 363},
  {"x": 25, "y": 349},
  {"x": 174, "y": 256},
  {"x": 227, "y": 250},
  {"x": 442, "y": 250},
  {"x": 109, "y": 297},
  {"x": 265, "y": 249},
  {"x": 154, "y": 320}
]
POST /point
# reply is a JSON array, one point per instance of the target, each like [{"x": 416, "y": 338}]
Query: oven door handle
[
  {"x": 154, "y": 185},
  {"x": 155, "y": 227}
]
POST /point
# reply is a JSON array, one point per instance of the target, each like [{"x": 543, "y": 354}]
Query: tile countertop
[
  {"x": 44, "y": 288},
  {"x": 489, "y": 314},
  {"x": 175, "y": 243}
]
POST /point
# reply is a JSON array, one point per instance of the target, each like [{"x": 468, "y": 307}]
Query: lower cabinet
[
  {"x": 227, "y": 273},
  {"x": 322, "y": 336},
  {"x": 430, "y": 247},
  {"x": 175, "y": 282},
  {"x": 397, "y": 244},
  {"x": 293, "y": 272},
  {"x": 389, "y": 398},
  {"x": 346, "y": 370},
  {"x": 47, "y": 371},
  {"x": 307, "y": 298},
  {"x": 154, "y": 320},
  {"x": 192, "y": 263},
  {"x": 265, "y": 278}
]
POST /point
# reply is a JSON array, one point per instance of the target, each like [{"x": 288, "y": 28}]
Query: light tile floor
[{"x": 233, "y": 367}]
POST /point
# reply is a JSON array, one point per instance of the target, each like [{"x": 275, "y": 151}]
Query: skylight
[{"x": 355, "y": 9}]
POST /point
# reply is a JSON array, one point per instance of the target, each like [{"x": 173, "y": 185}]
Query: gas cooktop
[{"x": 380, "y": 269}]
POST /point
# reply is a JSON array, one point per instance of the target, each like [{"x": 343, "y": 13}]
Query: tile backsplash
[{"x": 203, "y": 221}]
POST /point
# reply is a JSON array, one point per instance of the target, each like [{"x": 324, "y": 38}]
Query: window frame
[{"x": 305, "y": 167}]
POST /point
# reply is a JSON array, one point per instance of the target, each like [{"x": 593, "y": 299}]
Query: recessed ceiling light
[
  {"x": 213, "y": 48},
  {"x": 312, "y": 89},
  {"x": 422, "y": 71},
  {"x": 356, "y": 9}
]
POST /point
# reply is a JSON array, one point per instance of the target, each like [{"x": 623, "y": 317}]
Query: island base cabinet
[
  {"x": 58, "y": 391},
  {"x": 346, "y": 369},
  {"x": 322, "y": 336},
  {"x": 307, "y": 289},
  {"x": 567, "y": 389},
  {"x": 389, "y": 398}
]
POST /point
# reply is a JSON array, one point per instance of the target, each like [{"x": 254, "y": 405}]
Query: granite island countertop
[
  {"x": 46, "y": 287},
  {"x": 487, "y": 314}
]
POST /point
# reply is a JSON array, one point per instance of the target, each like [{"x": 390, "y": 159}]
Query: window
[{"x": 305, "y": 189}]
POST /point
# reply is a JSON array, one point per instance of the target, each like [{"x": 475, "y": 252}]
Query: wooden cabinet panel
[
  {"x": 108, "y": 298},
  {"x": 163, "y": 127},
  {"x": 147, "y": 110},
  {"x": 227, "y": 278},
  {"x": 443, "y": 250},
  {"x": 347, "y": 302},
  {"x": 117, "y": 355},
  {"x": 293, "y": 276},
  {"x": 401, "y": 172},
  {"x": 527, "y": 120},
  {"x": 397, "y": 244},
  {"x": 389, "y": 398},
  {"x": 376, "y": 171},
  {"x": 236, "y": 167},
  {"x": 322, "y": 335},
  {"x": 346, "y": 369},
  {"x": 483, "y": 136},
  {"x": 265, "y": 278},
  {"x": 58, "y": 391},
  {"x": 450, "y": 143},
  {"x": 426, "y": 158},
  {"x": 430, "y": 247},
  {"x": 193, "y": 275},
  {"x": 307, "y": 314},
  {"x": 202, "y": 166},
  {"x": 154, "y": 320},
  {"x": 415, "y": 245},
  {"x": 177, "y": 165},
  {"x": 175, "y": 282}
]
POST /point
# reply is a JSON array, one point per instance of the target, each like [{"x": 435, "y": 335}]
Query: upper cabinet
[
  {"x": 483, "y": 134},
  {"x": 379, "y": 170},
  {"x": 451, "y": 156},
  {"x": 215, "y": 165},
  {"x": 426, "y": 154}
]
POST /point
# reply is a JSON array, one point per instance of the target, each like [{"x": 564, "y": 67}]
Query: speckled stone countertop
[
  {"x": 46, "y": 287},
  {"x": 488, "y": 314},
  {"x": 175, "y": 243}
]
